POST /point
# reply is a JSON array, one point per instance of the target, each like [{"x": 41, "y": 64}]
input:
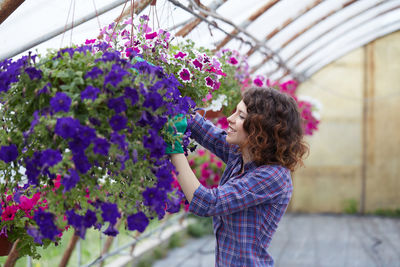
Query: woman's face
[{"x": 236, "y": 133}]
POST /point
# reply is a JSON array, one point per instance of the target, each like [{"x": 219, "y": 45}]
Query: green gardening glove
[{"x": 180, "y": 123}]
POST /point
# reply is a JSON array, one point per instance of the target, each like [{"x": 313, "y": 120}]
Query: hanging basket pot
[
  {"x": 210, "y": 114},
  {"x": 5, "y": 245}
]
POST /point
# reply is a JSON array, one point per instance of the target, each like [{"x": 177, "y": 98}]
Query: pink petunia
[
  {"x": 216, "y": 86},
  {"x": 223, "y": 123},
  {"x": 180, "y": 55},
  {"x": 184, "y": 74},
  {"x": 233, "y": 61},
  {"x": 197, "y": 64},
  {"x": 209, "y": 82},
  {"x": 201, "y": 152},
  {"x": 9, "y": 213},
  {"x": 90, "y": 41},
  {"x": 258, "y": 82},
  {"x": 151, "y": 35}
]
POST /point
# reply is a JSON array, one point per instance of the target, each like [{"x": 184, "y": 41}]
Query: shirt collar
[{"x": 250, "y": 166}]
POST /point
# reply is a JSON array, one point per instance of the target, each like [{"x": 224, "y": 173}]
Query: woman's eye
[{"x": 240, "y": 116}]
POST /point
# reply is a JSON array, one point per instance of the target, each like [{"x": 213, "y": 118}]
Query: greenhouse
[{"x": 199, "y": 133}]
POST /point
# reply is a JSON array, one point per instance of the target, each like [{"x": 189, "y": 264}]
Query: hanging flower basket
[
  {"x": 5, "y": 245},
  {"x": 83, "y": 143}
]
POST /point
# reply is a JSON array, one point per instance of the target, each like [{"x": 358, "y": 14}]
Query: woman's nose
[{"x": 230, "y": 119}]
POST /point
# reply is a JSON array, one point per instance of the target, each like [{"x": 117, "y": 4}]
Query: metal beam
[
  {"x": 247, "y": 22},
  {"x": 354, "y": 29},
  {"x": 285, "y": 24},
  {"x": 332, "y": 28},
  {"x": 254, "y": 69},
  {"x": 373, "y": 34},
  {"x": 269, "y": 51},
  {"x": 316, "y": 22},
  {"x": 321, "y": 35},
  {"x": 196, "y": 21}
]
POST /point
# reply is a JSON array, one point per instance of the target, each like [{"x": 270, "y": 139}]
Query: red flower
[{"x": 9, "y": 213}]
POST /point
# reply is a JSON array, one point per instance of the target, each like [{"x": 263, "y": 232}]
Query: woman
[{"x": 263, "y": 144}]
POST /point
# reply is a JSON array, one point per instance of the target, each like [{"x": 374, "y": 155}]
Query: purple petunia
[
  {"x": 77, "y": 221},
  {"x": 119, "y": 139},
  {"x": 110, "y": 212},
  {"x": 93, "y": 73},
  {"x": 81, "y": 162},
  {"x": 45, "y": 89},
  {"x": 137, "y": 221},
  {"x": 35, "y": 233},
  {"x": 8, "y": 153},
  {"x": 174, "y": 204},
  {"x": 153, "y": 100},
  {"x": 118, "y": 122},
  {"x": 33, "y": 73},
  {"x": 111, "y": 231},
  {"x": 45, "y": 221},
  {"x": 154, "y": 196},
  {"x": 164, "y": 178},
  {"x": 90, "y": 218},
  {"x": 155, "y": 144},
  {"x": 70, "y": 181},
  {"x": 117, "y": 104},
  {"x": 131, "y": 94},
  {"x": 50, "y": 157},
  {"x": 115, "y": 76},
  {"x": 90, "y": 92},
  {"x": 185, "y": 76},
  {"x": 60, "y": 102},
  {"x": 101, "y": 146},
  {"x": 66, "y": 127}
]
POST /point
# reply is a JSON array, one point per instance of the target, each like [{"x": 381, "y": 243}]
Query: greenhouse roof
[{"x": 283, "y": 39}]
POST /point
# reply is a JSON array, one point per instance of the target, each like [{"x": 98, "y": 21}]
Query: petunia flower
[
  {"x": 101, "y": 146},
  {"x": 185, "y": 76},
  {"x": 151, "y": 35},
  {"x": 137, "y": 221},
  {"x": 197, "y": 64},
  {"x": 233, "y": 61},
  {"x": 110, "y": 212},
  {"x": 50, "y": 157},
  {"x": 209, "y": 82},
  {"x": 180, "y": 55},
  {"x": 90, "y": 92},
  {"x": 60, "y": 102},
  {"x": 8, "y": 153},
  {"x": 118, "y": 122},
  {"x": 258, "y": 82},
  {"x": 70, "y": 181}
]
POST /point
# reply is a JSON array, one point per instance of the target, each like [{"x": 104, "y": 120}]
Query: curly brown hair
[{"x": 273, "y": 124}]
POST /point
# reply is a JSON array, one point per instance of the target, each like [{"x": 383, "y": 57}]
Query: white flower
[{"x": 216, "y": 104}]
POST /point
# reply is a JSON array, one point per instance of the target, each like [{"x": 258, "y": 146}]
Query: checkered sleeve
[
  {"x": 210, "y": 137},
  {"x": 263, "y": 185}
]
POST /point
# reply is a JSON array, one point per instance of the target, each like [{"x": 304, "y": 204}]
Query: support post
[{"x": 7, "y": 7}]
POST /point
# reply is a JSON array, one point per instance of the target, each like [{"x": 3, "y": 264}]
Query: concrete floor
[{"x": 313, "y": 240}]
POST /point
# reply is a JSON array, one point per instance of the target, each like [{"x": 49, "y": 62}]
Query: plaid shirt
[{"x": 247, "y": 207}]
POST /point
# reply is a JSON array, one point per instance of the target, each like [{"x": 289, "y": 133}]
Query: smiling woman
[{"x": 263, "y": 144}]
